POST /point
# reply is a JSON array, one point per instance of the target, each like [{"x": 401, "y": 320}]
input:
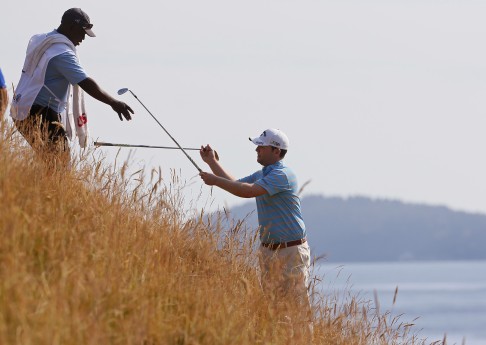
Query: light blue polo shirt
[
  {"x": 279, "y": 212},
  {"x": 62, "y": 70}
]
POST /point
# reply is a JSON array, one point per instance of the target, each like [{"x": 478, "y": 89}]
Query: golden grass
[
  {"x": 3, "y": 102},
  {"x": 93, "y": 256}
]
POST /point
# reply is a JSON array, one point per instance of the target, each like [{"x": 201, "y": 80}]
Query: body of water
[{"x": 447, "y": 297}]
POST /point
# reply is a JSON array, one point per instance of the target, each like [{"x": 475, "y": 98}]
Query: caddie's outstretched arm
[{"x": 95, "y": 91}]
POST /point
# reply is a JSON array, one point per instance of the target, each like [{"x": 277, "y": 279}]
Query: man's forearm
[
  {"x": 243, "y": 190},
  {"x": 218, "y": 170},
  {"x": 95, "y": 91},
  {"x": 92, "y": 88}
]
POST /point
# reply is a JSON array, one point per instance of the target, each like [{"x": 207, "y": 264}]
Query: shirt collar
[{"x": 269, "y": 168}]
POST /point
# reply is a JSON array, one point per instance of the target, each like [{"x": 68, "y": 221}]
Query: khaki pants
[
  {"x": 287, "y": 271},
  {"x": 285, "y": 275}
]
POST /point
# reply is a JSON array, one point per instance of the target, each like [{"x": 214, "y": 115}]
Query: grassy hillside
[{"x": 92, "y": 256}]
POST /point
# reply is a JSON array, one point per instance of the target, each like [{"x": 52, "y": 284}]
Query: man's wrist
[
  {"x": 112, "y": 102},
  {"x": 213, "y": 163}
]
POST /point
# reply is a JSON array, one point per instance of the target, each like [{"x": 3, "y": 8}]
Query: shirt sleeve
[
  {"x": 275, "y": 182},
  {"x": 251, "y": 178},
  {"x": 2, "y": 80},
  {"x": 68, "y": 65}
]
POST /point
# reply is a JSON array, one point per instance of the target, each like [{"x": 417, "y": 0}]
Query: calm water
[{"x": 448, "y": 297}]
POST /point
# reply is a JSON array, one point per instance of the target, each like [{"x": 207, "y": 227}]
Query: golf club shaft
[
  {"x": 100, "y": 143},
  {"x": 189, "y": 157}
]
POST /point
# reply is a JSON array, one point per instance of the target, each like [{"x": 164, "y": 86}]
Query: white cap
[{"x": 272, "y": 137}]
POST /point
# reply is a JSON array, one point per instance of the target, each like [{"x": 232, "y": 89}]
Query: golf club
[
  {"x": 101, "y": 143},
  {"x": 124, "y": 90}
]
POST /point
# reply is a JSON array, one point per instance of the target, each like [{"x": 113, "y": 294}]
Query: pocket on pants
[{"x": 304, "y": 252}]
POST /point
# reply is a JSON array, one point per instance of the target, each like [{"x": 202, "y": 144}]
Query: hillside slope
[{"x": 91, "y": 256}]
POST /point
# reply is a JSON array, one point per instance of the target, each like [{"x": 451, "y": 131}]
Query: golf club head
[{"x": 122, "y": 91}]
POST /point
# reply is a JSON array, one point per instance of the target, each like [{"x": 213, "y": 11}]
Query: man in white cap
[
  {"x": 51, "y": 67},
  {"x": 284, "y": 251}
]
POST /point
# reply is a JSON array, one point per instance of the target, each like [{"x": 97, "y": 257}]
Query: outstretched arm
[
  {"x": 222, "y": 179},
  {"x": 241, "y": 189},
  {"x": 209, "y": 157},
  {"x": 95, "y": 91}
]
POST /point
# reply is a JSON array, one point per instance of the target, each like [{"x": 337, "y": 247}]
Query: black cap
[{"x": 77, "y": 16}]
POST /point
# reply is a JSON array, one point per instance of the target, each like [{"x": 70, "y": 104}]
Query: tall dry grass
[
  {"x": 3, "y": 102},
  {"x": 92, "y": 255}
]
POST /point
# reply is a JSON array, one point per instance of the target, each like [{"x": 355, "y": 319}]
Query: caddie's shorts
[{"x": 43, "y": 129}]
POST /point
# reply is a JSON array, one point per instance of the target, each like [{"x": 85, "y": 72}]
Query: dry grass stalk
[{"x": 95, "y": 255}]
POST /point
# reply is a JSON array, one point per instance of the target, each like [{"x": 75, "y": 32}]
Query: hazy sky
[{"x": 379, "y": 98}]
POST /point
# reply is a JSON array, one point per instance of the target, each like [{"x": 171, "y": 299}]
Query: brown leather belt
[{"x": 275, "y": 246}]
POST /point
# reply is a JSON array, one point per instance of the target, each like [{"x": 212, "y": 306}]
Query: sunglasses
[{"x": 84, "y": 25}]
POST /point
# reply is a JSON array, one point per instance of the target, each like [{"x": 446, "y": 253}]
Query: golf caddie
[
  {"x": 51, "y": 73},
  {"x": 284, "y": 251}
]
